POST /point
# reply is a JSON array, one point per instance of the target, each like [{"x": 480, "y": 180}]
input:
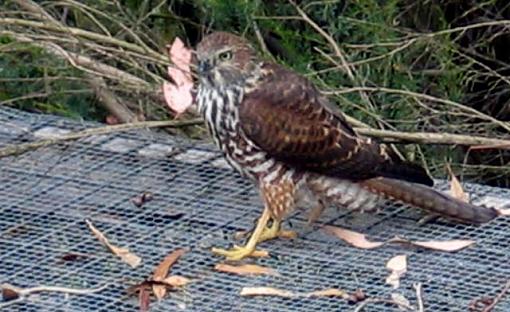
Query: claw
[{"x": 239, "y": 252}]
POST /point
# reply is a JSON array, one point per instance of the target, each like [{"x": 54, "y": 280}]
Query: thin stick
[
  {"x": 368, "y": 301},
  {"x": 498, "y": 298},
  {"x": 22, "y": 148},
  {"x": 432, "y": 138},
  {"x": 505, "y": 125},
  {"x": 419, "y": 299},
  {"x": 84, "y": 34},
  {"x": 24, "y": 292}
]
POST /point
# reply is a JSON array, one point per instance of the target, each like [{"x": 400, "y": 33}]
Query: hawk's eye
[{"x": 225, "y": 56}]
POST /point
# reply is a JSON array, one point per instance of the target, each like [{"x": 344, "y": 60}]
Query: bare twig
[
  {"x": 432, "y": 138},
  {"x": 24, "y": 292},
  {"x": 498, "y": 298},
  {"x": 17, "y": 149},
  {"x": 83, "y": 62},
  {"x": 83, "y": 33},
  {"x": 505, "y": 125},
  {"x": 110, "y": 100},
  {"x": 419, "y": 296},
  {"x": 368, "y": 301}
]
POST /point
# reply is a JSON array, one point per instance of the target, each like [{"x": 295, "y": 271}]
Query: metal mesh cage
[{"x": 46, "y": 194}]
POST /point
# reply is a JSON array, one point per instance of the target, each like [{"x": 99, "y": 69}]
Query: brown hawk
[{"x": 276, "y": 128}]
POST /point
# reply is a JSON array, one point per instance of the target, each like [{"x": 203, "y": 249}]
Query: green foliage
[{"x": 43, "y": 83}]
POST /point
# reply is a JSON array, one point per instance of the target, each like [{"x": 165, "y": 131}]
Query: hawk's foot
[
  {"x": 275, "y": 231},
  {"x": 240, "y": 252}
]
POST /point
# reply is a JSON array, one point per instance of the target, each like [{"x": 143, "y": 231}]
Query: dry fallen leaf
[
  {"x": 504, "y": 212},
  {"x": 140, "y": 200},
  {"x": 178, "y": 95},
  {"x": 265, "y": 291},
  {"x": 402, "y": 302},
  {"x": 359, "y": 240},
  {"x": 144, "y": 299},
  {"x": 123, "y": 253},
  {"x": 9, "y": 294},
  {"x": 176, "y": 281},
  {"x": 354, "y": 238},
  {"x": 245, "y": 269},
  {"x": 398, "y": 267},
  {"x": 329, "y": 292},
  {"x": 456, "y": 189},
  {"x": 161, "y": 271},
  {"x": 450, "y": 245}
]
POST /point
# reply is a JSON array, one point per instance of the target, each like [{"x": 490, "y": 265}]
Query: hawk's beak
[{"x": 203, "y": 67}]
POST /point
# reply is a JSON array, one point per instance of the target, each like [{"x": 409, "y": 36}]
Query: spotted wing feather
[{"x": 288, "y": 118}]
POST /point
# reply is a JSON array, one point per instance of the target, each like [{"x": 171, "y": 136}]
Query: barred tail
[{"x": 429, "y": 199}]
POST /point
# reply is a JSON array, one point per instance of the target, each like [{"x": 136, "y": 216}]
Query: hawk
[{"x": 274, "y": 127}]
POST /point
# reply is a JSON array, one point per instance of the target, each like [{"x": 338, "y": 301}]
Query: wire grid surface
[{"x": 46, "y": 194}]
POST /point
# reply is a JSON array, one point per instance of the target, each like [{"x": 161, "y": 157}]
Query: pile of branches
[
  {"x": 413, "y": 79},
  {"x": 118, "y": 59}
]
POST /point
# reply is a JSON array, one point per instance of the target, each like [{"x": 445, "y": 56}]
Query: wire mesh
[{"x": 199, "y": 202}]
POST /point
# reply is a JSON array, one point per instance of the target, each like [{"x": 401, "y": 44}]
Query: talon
[
  {"x": 274, "y": 231},
  {"x": 239, "y": 252}
]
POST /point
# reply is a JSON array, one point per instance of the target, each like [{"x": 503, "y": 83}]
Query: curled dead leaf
[
  {"x": 504, "y": 212},
  {"x": 176, "y": 281},
  {"x": 144, "y": 299},
  {"x": 456, "y": 189},
  {"x": 245, "y": 269},
  {"x": 450, "y": 245},
  {"x": 353, "y": 238},
  {"x": 402, "y": 302},
  {"x": 359, "y": 240},
  {"x": 398, "y": 267},
  {"x": 123, "y": 253},
  {"x": 265, "y": 291},
  {"x": 9, "y": 294},
  {"x": 329, "y": 292},
  {"x": 161, "y": 271}
]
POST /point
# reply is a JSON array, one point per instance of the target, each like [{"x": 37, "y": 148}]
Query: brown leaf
[
  {"x": 123, "y": 253},
  {"x": 402, "y": 302},
  {"x": 141, "y": 199},
  {"x": 9, "y": 294},
  {"x": 245, "y": 269},
  {"x": 359, "y": 240},
  {"x": 73, "y": 257},
  {"x": 504, "y": 212},
  {"x": 450, "y": 245},
  {"x": 398, "y": 267},
  {"x": 330, "y": 292},
  {"x": 176, "y": 281},
  {"x": 353, "y": 238},
  {"x": 144, "y": 299},
  {"x": 456, "y": 189},
  {"x": 161, "y": 271},
  {"x": 265, "y": 291}
]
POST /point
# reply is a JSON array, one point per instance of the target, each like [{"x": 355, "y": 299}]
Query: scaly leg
[
  {"x": 275, "y": 231},
  {"x": 240, "y": 252}
]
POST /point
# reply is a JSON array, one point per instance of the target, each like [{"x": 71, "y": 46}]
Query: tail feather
[
  {"x": 406, "y": 171},
  {"x": 432, "y": 200}
]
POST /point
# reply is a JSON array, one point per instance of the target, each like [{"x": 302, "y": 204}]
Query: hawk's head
[{"x": 224, "y": 59}]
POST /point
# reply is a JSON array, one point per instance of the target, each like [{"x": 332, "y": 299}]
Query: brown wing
[{"x": 286, "y": 116}]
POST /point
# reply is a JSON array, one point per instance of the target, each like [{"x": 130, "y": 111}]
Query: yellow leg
[
  {"x": 274, "y": 231},
  {"x": 240, "y": 252}
]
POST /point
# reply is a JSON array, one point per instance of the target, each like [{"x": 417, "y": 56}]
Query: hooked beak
[{"x": 203, "y": 67}]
